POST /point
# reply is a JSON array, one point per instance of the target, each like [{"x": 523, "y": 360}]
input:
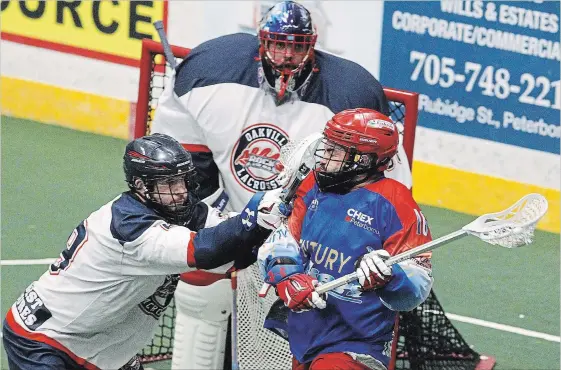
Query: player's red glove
[
  {"x": 298, "y": 293},
  {"x": 372, "y": 272}
]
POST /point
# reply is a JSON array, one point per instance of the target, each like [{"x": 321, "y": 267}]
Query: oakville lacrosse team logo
[{"x": 255, "y": 160}]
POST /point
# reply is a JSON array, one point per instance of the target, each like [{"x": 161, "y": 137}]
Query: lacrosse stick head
[
  {"x": 297, "y": 158},
  {"x": 512, "y": 228}
]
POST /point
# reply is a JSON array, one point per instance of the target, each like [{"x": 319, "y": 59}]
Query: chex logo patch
[{"x": 361, "y": 220}]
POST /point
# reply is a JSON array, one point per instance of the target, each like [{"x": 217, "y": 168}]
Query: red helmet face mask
[{"x": 357, "y": 147}]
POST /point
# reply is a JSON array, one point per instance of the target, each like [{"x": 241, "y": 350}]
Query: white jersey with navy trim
[
  {"x": 219, "y": 107},
  {"x": 101, "y": 300}
]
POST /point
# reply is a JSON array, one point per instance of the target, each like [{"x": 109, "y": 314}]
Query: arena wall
[{"x": 77, "y": 67}]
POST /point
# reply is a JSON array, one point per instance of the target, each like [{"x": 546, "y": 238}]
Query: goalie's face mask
[
  {"x": 338, "y": 168},
  {"x": 285, "y": 53},
  {"x": 287, "y": 37},
  {"x": 286, "y": 58}
]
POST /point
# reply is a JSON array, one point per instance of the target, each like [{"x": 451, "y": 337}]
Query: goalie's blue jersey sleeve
[
  {"x": 333, "y": 232},
  {"x": 218, "y": 106}
]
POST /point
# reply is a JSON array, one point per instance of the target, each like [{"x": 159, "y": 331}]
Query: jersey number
[
  {"x": 422, "y": 226},
  {"x": 75, "y": 241}
]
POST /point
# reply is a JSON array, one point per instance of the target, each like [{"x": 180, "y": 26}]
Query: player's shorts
[
  {"x": 339, "y": 360},
  {"x": 27, "y": 354}
]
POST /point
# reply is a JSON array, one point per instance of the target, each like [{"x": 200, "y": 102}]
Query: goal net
[{"x": 426, "y": 338}]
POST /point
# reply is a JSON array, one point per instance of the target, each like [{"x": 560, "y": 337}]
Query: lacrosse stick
[
  {"x": 297, "y": 158},
  {"x": 159, "y": 25},
  {"x": 511, "y": 228}
]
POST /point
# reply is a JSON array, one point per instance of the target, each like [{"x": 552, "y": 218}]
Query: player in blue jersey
[
  {"x": 234, "y": 102},
  {"x": 348, "y": 216},
  {"x": 100, "y": 301}
]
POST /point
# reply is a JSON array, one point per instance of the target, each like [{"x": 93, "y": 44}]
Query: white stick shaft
[
  {"x": 433, "y": 244},
  {"x": 436, "y": 243}
]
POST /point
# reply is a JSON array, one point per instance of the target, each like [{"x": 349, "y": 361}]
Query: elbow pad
[
  {"x": 409, "y": 287},
  {"x": 232, "y": 239},
  {"x": 229, "y": 240}
]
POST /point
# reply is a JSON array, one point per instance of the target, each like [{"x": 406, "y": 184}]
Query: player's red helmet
[
  {"x": 287, "y": 38},
  {"x": 358, "y": 144}
]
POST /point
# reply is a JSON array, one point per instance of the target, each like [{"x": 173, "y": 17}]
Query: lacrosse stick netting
[
  {"x": 297, "y": 158},
  {"x": 514, "y": 227}
]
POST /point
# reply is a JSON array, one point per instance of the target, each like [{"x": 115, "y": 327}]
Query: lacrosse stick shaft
[
  {"x": 510, "y": 228},
  {"x": 433, "y": 244},
  {"x": 293, "y": 187},
  {"x": 159, "y": 25},
  {"x": 436, "y": 243},
  {"x": 234, "y": 324}
]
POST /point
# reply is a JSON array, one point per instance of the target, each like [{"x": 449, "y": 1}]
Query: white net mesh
[
  {"x": 287, "y": 150},
  {"x": 258, "y": 348},
  {"x": 254, "y": 341},
  {"x": 513, "y": 227},
  {"x": 286, "y": 154},
  {"x": 293, "y": 154}
]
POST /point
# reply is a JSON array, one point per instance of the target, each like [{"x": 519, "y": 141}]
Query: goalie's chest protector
[{"x": 222, "y": 86}]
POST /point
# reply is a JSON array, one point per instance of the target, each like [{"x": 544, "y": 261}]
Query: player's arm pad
[
  {"x": 279, "y": 257},
  {"x": 381, "y": 101},
  {"x": 409, "y": 287},
  {"x": 221, "y": 244},
  {"x": 232, "y": 239}
]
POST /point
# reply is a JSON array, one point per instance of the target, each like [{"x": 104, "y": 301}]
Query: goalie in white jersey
[
  {"x": 234, "y": 102},
  {"x": 99, "y": 303}
]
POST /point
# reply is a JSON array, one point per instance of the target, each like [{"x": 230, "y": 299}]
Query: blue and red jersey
[{"x": 333, "y": 232}]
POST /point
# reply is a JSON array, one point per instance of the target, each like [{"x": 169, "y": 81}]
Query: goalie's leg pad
[{"x": 201, "y": 325}]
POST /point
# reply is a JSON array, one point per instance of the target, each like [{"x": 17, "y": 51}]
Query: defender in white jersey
[
  {"x": 99, "y": 303},
  {"x": 234, "y": 102}
]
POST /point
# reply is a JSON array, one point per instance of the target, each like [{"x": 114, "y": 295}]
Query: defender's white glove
[
  {"x": 269, "y": 215},
  {"x": 372, "y": 272}
]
